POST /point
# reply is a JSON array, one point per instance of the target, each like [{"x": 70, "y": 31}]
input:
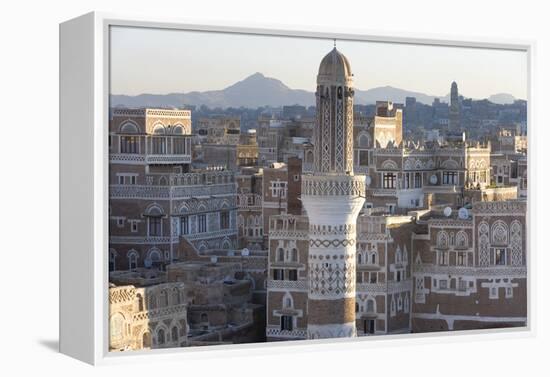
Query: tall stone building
[
  {"x": 332, "y": 196},
  {"x": 454, "y": 109}
]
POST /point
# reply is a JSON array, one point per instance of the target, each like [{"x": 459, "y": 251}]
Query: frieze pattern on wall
[
  {"x": 388, "y": 287},
  {"x": 277, "y": 332},
  {"x": 484, "y": 257},
  {"x": 507, "y": 271},
  {"x": 516, "y": 244},
  {"x": 333, "y": 186},
  {"x": 331, "y": 243},
  {"x": 417, "y": 164},
  {"x": 332, "y": 230},
  {"x": 301, "y": 285},
  {"x": 325, "y": 140},
  {"x": 287, "y": 234},
  {"x": 502, "y": 207},
  {"x": 339, "y": 147},
  {"x": 331, "y": 279},
  {"x": 349, "y": 134},
  {"x": 121, "y": 294}
]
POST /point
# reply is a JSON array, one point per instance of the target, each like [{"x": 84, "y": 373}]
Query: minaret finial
[{"x": 334, "y": 42}]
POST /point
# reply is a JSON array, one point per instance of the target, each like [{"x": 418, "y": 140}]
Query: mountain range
[{"x": 258, "y": 90}]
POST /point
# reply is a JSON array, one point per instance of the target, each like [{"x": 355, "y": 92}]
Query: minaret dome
[{"x": 335, "y": 70}]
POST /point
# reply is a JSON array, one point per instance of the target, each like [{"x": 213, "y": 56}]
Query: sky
[{"x": 161, "y": 61}]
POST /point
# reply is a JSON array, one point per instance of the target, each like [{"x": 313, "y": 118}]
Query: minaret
[
  {"x": 332, "y": 197},
  {"x": 454, "y": 109}
]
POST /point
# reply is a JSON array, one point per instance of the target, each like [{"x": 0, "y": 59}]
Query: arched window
[
  {"x": 112, "y": 259},
  {"x": 461, "y": 239},
  {"x": 288, "y": 302},
  {"x": 151, "y": 302},
  {"x": 117, "y": 327},
  {"x": 294, "y": 255},
  {"x": 153, "y": 257},
  {"x": 146, "y": 340},
  {"x": 364, "y": 141},
  {"x": 176, "y": 296},
  {"x": 499, "y": 233},
  {"x": 398, "y": 256},
  {"x": 161, "y": 338},
  {"x": 164, "y": 298},
  {"x": 359, "y": 258},
  {"x": 280, "y": 254},
  {"x": 179, "y": 129},
  {"x": 371, "y": 306},
  {"x": 442, "y": 239},
  {"x": 132, "y": 260},
  {"x": 139, "y": 298},
  {"x": 374, "y": 257},
  {"x": 174, "y": 334},
  {"x": 158, "y": 129},
  {"x": 129, "y": 128}
]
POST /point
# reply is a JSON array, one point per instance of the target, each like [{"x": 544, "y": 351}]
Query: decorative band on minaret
[{"x": 332, "y": 197}]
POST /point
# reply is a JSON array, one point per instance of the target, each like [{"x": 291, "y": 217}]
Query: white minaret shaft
[{"x": 332, "y": 197}]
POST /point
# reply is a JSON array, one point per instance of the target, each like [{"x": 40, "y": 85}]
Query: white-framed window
[
  {"x": 450, "y": 178},
  {"x": 500, "y": 257},
  {"x": 278, "y": 189},
  {"x": 493, "y": 293},
  {"x": 126, "y": 178},
  {"x": 184, "y": 225},
  {"x": 154, "y": 226},
  {"x": 201, "y": 219},
  {"x": 509, "y": 292},
  {"x": 120, "y": 222},
  {"x": 134, "y": 226},
  {"x": 129, "y": 144},
  {"x": 389, "y": 180},
  {"x": 286, "y": 323}
]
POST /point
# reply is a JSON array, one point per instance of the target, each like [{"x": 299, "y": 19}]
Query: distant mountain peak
[{"x": 258, "y": 90}]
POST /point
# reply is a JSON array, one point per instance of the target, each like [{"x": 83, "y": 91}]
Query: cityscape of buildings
[{"x": 337, "y": 220}]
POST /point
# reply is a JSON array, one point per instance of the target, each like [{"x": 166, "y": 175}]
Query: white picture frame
[{"x": 84, "y": 98}]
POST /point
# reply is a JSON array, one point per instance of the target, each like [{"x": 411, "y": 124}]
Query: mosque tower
[
  {"x": 332, "y": 196},
  {"x": 454, "y": 109}
]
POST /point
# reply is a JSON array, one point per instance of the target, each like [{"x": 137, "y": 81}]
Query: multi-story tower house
[
  {"x": 454, "y": 109},
  {"x": 154, "y": 197},
  {"x": 332, "y": 196},
  {"x": 471, "y": 272}
]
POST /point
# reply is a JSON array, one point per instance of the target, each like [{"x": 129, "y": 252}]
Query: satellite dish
[
  {"x": 245, "y": 252},
  {"x": 447, "y": 211},
  {"x": 433, "y": 179},
  {"x": 463, "y": 214},
  {"x": 148, "y": 263},
  {"x": 214, "y": 259},
  {"x": 368, "y": 180}
]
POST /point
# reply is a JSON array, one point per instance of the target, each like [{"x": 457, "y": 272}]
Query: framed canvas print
[{"x": 232, "y": 188}]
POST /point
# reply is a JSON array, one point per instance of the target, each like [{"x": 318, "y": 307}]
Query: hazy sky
[{"x": 164, "y": 61}]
